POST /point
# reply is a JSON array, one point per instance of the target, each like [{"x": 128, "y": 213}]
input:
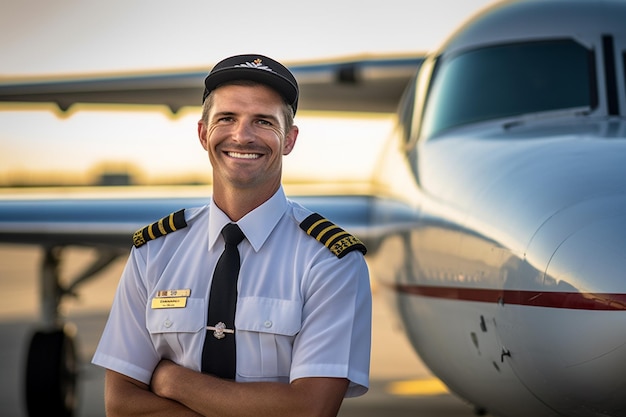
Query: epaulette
[
  {"x": 167, "y": 224},
  {"x": 332, "y": 236}
]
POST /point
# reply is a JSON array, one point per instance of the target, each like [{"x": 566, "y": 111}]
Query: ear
[
  {"x": 202, "y": 135},
  {"x": 290, "y": 140}
]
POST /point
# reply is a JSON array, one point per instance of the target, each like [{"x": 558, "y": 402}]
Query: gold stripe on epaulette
[
  {"x": 337, "y": 240},
  {"x": 314, "y": 225},
  {"x": 171, "y": 223},
  {"x": 160, "y": 223}
]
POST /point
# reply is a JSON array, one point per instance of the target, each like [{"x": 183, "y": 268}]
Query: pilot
[{"x": 270, "y": 316}]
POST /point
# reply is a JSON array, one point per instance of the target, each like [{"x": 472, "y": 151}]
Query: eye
[{"x": 264, "y": 122}]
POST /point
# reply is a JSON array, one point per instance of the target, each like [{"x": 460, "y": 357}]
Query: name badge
[
  {"x": 174, "y": 293},
  {"x": 169, "y": 302}
]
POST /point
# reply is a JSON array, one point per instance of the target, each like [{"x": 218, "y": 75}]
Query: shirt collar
[{"x": 256, "y": 225}]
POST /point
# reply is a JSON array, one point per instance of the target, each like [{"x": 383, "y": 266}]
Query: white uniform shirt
[{"x": 301, "y": 311}]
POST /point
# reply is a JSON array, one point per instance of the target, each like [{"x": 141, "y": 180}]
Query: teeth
[{"x": 243, "y": 155}]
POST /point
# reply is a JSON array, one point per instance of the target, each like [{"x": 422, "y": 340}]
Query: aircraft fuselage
[{"x": 510, "y": 284}]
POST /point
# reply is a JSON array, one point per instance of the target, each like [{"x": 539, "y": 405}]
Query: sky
[{"x": 41, "y": 37}]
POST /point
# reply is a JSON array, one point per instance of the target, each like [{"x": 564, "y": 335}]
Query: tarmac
[{"x": 400, "y": 384}]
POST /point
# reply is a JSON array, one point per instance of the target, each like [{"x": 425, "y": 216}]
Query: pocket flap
[
  {"x": 188, "y": 319},
  {"x": 268, "y": 315}
]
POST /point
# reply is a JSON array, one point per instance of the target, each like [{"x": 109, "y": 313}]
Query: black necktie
[{"x": 219, "y": 354}]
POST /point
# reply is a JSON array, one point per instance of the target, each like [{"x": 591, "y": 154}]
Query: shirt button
[
  {"x": 167, "y": 323},
  {"x": 268, "y": 324}
]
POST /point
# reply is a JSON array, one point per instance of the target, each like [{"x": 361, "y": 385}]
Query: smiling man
[{"x": 251, "y": 305}]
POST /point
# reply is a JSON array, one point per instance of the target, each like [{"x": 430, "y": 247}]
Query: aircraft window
[
  {"x": 624, "y": 66},
  {"x": 405, "y": 110},
  {"x": 509, "y": 80}
]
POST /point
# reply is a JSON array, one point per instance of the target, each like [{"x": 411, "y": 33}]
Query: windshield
[{"x": 509, "y": 80}]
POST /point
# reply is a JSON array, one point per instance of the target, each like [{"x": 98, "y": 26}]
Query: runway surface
[{"x": 400, "y": 383}]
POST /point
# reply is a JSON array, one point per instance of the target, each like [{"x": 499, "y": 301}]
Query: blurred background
[
  {"x": 96, "y": 145},
  {"x": 148, "y": 145}
]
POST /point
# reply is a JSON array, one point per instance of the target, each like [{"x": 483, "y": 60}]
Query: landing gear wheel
[
  {"x": 479, "y": 411},
  {"x": 51, "y": 374}
]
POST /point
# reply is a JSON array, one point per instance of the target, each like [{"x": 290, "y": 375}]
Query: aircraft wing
[
  {"x": 108, "y": 221},
  {"x": 361, "y": 84}
]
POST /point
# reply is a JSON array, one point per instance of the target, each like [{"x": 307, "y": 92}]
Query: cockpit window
[{"x": 509, "y": 80}]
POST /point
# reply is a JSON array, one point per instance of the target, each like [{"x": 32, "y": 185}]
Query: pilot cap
[{"x": 257, "y": 68}]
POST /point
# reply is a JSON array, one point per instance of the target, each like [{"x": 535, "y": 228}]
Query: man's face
[{"x": 245, "y": 137}]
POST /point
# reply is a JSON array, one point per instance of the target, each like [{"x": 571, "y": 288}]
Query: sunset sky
[{"x": 76, "y": 37}]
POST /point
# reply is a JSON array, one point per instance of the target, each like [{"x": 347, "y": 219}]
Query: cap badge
[{"x": 257, "y": 63}]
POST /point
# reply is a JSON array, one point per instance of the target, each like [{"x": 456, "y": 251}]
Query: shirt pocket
[
  {"x": 171, "y": 328},
  {"x": 266, "y": 328}
]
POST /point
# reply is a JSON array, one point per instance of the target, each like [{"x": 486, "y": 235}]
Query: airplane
[{"x": 495, "y": 219}]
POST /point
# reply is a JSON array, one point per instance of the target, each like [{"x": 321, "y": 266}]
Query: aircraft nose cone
[
  {"x": 587, "y": 247},
  {"x": 592, "y": 260},
  {"x": 569, "y": 349}
]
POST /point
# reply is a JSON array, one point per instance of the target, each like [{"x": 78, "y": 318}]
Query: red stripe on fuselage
[{"x": 552, "y": 299}]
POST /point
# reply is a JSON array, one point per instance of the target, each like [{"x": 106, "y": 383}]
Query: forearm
[
  {"x": 126, "y": 397},
  {"x": 210, "y": 396}
]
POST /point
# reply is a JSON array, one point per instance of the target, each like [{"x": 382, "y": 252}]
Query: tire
[{"x": 51, "y": 371}]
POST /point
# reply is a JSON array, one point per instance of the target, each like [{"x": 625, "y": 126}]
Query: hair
[{"x": 208, "y": 103}]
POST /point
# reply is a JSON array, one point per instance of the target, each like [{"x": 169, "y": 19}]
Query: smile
[{"x": 243, "y": 155}]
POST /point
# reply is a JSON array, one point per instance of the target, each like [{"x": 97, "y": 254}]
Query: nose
[{"x": 243, "y": 132}]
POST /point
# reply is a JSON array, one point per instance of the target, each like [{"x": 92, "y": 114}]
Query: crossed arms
[{"x": 175, "y": 390}]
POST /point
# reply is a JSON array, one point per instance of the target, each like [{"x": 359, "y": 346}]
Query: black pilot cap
[{"x": 257, "y": 68}]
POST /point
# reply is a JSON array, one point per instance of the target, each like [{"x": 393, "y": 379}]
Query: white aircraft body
[
  {"x": 496, "y": 218},
  {"x": 511, "y": 285}
]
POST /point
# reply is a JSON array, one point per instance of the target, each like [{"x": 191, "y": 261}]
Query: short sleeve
[
  {"x": 125, "y": 345},
  {"x": 335, "y": 338}
]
